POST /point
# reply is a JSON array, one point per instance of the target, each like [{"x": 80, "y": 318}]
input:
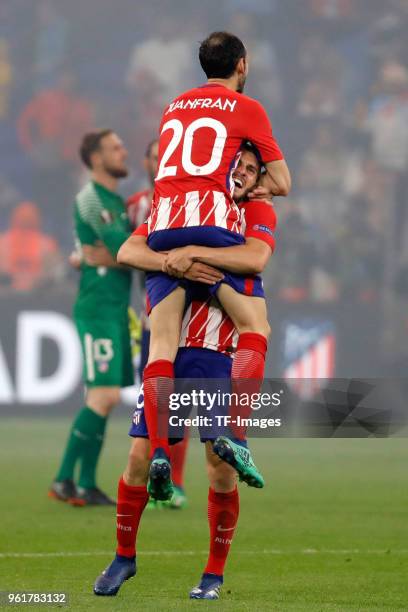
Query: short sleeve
[
  {"x": 260, "y": 222},
  {"x": 141, "y": 230}
]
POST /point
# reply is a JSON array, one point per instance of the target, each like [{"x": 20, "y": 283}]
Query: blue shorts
[
  {"x": 190, "y": 363},
  {"x": 204, "y": 235},
  {"x": 160, "y": 285}
]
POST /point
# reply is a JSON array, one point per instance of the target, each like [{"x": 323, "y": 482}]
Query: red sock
[
  {"x": 223, "y": 512},
  {"x": 247, "y": 374},
  {"x": 130, "y": 506},
  {"x": 158, "y": 384},
  {"x": 178, "y": 461}
]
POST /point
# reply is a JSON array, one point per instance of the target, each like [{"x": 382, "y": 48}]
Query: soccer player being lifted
[
  {"x": 138, "y": 209},
  {"x": 206, "y": 350},
  {"x": 201, "y": 134}
]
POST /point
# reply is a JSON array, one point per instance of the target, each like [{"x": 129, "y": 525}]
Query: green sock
[
  {"x": 86, "y": 426},
  {"x": 95, "y": 431}
]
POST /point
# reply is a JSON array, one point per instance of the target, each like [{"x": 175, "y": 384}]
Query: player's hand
[
  {"x": 201, "y": 273},
  {"x": 98, "y": 255},
  {"x": 75, "y": 260},
  {"x": 260, "y": 193},
  {"x": 178, "y": 262}
]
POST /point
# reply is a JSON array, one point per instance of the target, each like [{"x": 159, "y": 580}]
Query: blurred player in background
[
  {"x": 140, "y": 203},
  {"x": 101, "y": 317},
  {"x": 201, "y": 134},
  {"x": 207, "y": 345},
  {"x": 138, "y": 207}
]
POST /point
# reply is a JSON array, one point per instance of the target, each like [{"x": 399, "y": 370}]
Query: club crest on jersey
[
  {"x": 137, "y": 415},
  {"x": 103, "y": 366},
  {"x": 106, "y": 216}
]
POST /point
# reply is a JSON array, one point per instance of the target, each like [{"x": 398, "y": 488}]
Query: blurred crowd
[{"x": 333, "y": 75}]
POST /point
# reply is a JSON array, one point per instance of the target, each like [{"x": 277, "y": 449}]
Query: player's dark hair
[
  {"x": 248, "y": 146},
  {"x": 90, "y": 143},
  {"x": 150, "y": 147},
  {"x": 220, "y": 53}
]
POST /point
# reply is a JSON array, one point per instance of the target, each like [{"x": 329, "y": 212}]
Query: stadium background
[
  {"x": 333, "y": 76},
  {"x": 330, "y": 529}
]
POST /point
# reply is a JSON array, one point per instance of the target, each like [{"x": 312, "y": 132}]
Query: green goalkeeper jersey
[{"x": 100, "y": 216}]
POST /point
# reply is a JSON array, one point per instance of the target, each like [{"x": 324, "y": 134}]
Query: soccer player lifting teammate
[
  {"x": 206, "y": 348},
  {"x": 201, "y": 134}
]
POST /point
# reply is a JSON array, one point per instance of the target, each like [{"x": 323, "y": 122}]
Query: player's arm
[
  {"x": 97, "y": 255},
  {"x": 248, "y": 258},
  {"x": 276, "y": 180},
  {"x": 112, "y": 236},
  {"x": 136, "y": 253},
  {"x": 108, "y": 230}
]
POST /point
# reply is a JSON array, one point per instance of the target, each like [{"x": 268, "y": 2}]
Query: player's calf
[
  {"x": 221, "y": 476},
  {"x": 239, "y": 457},
  {"x": 137, "y": 469}
]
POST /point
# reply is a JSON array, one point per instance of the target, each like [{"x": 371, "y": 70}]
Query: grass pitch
[{"x": 329, "y": 531}]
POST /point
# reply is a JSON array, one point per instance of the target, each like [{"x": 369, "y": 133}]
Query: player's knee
[
  {"x": 163, "y": 348},
  {"x": 137, "y": 469},
  {"x": 267, "y": 330},
  {"x": 112, "y": 398},
  {"x": 164, "y": 344},
  {"x": 256, "y": 327},
  {"x": 103, "y": 399}
]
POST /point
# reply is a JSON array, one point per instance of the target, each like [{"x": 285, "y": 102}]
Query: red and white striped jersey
[
  {"x": 258, "y": 220},
  {"x": 195, "y": 208},
  {"x": 201, "y": 134},
  {"x": 206, "y": 325}
]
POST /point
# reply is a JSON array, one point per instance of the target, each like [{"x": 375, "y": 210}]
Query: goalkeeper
[{"x": 101, "y": 317}]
